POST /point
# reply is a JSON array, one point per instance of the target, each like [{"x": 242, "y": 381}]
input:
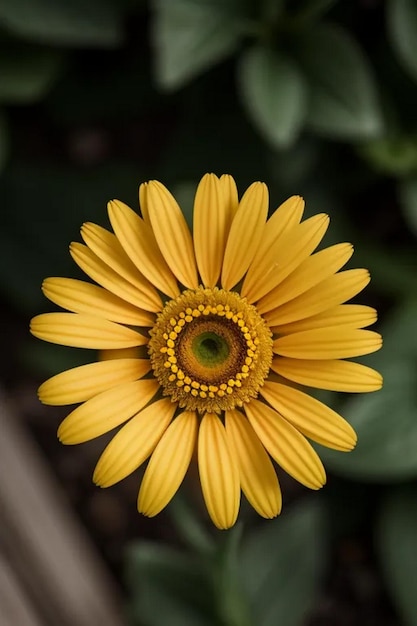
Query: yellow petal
[
  {"x": 228, "y": 190},
  {"x": 309, "y": 273},
  {"x": 311, "y": 417},
  {"x": 84, "y": 331},
  {"x": 245, "y": 234},
  {"x": 138, "y": 241},
  {"x": 329, "y": 293},
  {"x": 168, "y": 464},
  {"x": 257, "y": 475},
  {"x": 212, "y": 219},
  {"x": 172, "y": 233},
  {"x": 354, "y": 315},
  {"x": 282, "y": 221},
  {"x": 333, "y": 375},
  {"x": 219, "y": 473},
  {"x": 328, "y": 343},
  {"x": 108, "y": 249},
  {"x": 132, "y": 445},
  {"x": 144, "y": 298},
  {"x": 81, "y": 297},
  {"x": 143, "y": 202},
  {"x": 81, "y": 383},
  {"x": 286, "y": 257},
  {"x": 106, "y": 411},
  {"x": 286, "y": 445}
]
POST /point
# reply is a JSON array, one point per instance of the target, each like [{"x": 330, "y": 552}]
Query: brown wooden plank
[
  {"x": 16, "y": 608},
  {"x": 52, "y": 557}
]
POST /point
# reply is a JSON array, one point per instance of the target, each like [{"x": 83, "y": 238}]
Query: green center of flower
[{"x": 210, "y": 350}]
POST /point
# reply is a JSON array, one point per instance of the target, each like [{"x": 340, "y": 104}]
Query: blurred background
[{"x": 314, "y": 97}]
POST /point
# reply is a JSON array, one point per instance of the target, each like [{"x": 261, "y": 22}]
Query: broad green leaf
[
  {"x": 274, "y": 93},
  {"x": 96, "y": 23},
  {"x": 397, "y": 547},
  {"x": 27, "y": 73},
  {"x": 386, "y": 425},
  {"x": 408, "y": 200},
  {"x": 281, "y": 565},
  {"x": 400, "y": 338},
  {"x": 393, "y": 275},
  {"x": 168, "y": 587},
  {"x": 396, "y": 156},
  {"x": 189, "y": 526},
  {"x": 231, "y": 599},
  {"x": 190, "y": 36},
  {"x": 343, "y": 100},
  {"x": 385, "y": 421},
  {"x": 402, "y": 29}
]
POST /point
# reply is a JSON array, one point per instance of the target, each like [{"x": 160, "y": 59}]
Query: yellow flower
[{"x": 228, "y": 322}]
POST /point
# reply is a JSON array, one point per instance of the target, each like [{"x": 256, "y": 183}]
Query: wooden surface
[{"x": 50, "y": 572}]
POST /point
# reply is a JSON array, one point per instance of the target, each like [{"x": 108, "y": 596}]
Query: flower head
[{"x": 228, "y": 323}]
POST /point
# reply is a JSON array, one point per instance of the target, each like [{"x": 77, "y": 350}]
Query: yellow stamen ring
[{"x": 210, "y": 350}]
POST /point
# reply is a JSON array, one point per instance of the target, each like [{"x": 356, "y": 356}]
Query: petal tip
[
  {"x": 378, "y": 382},
  {"x": 63, "y": 437},
  {"x": 98, "y": 479},
  {"x": 223, "y": 525},
  {"x": 271, "y": 510}
]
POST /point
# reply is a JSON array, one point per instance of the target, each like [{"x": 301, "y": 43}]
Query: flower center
[{"x": 210, "y": 350}]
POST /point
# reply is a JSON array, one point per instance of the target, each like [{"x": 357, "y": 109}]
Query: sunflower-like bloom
[{"x": 228, "y": 322}]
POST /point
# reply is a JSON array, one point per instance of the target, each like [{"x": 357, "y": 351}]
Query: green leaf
[
  {"x": 168, "y": 587},
  {"x": 96, "y": 23},
  {"x": 232, "y": 602},
  {"x": 189, "y": 526},
  {"x": 395, "y": 156},
  {"x": 408, "y": 199},
  {"x": 397, "y": 547},
  {"x": 386, "y": 426},
  {"x": 274, "y": 94},
  {"x": 385, "y": 421},
  {"x": 393, "y": 275},
  {"x": 281, "y": 566},
  {"x": 343, "y": 102},
  {"x": 190, "y": 36},
  {"x": 400, "y": 338},
  {"x": 402, "y": 30},
  {"x": 27, "y": 73}
]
